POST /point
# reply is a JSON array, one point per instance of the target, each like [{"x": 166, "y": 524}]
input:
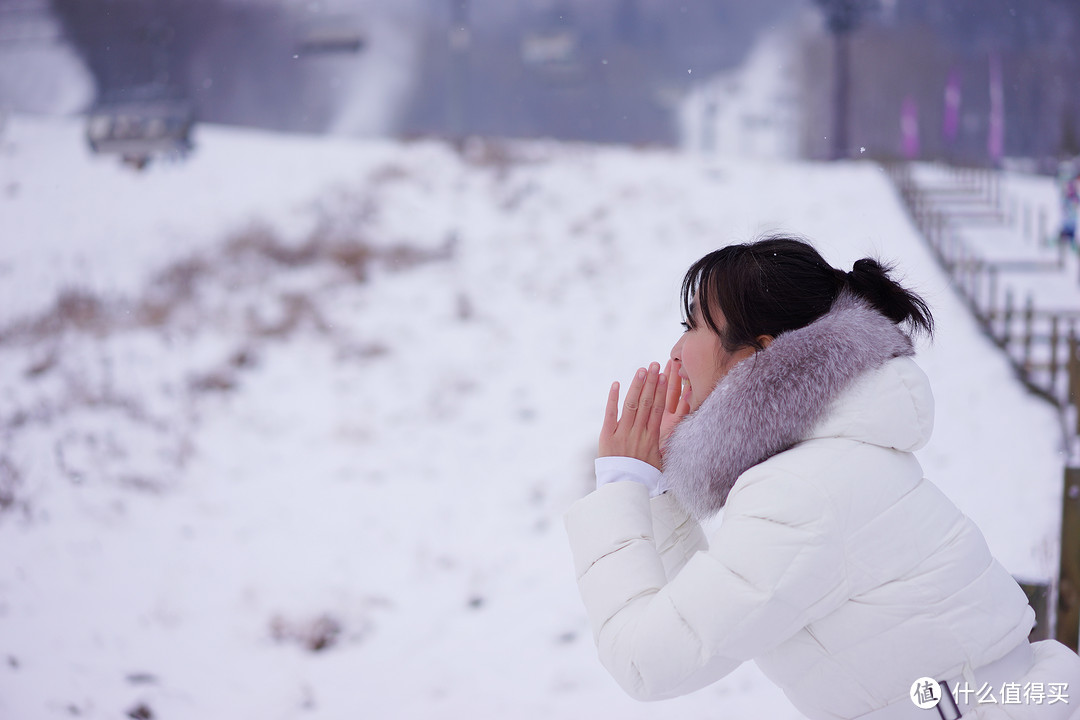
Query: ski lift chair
[{"x": 141, "y": 128}]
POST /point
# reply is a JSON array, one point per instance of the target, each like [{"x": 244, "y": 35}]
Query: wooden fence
[{"x": 1042, "y": 344}]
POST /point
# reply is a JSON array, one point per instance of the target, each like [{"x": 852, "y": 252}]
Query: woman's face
[{"x": 702, "y": 358}]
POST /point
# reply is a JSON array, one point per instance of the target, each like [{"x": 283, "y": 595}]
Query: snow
[
  {"x": 749, "y": 112},
  {"x": 327, "y": 392},
  {"x": 38, "y": 72}
]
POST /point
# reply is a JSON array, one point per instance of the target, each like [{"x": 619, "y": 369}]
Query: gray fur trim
[{"x": 773, "y": 399}]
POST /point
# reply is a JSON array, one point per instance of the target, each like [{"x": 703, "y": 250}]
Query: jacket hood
[
  {"x": 891, "y": 406},
  {"x": 783, "y": 395}
]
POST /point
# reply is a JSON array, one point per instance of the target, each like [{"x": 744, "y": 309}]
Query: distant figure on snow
[{"x": 1069, "y": 180}]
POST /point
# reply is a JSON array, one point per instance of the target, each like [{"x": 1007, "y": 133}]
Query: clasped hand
[{"x": 654, "y": 405}]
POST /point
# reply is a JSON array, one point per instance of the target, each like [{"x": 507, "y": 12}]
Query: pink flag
[
  {"x": 909, "y": 128},
  {"x": 995, "y": 141},
  {"x": 952, "y": 107}
]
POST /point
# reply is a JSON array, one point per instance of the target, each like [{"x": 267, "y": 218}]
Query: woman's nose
[{"x": 676, "y": 349}]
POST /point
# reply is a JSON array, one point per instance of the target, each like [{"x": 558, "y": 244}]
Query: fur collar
[{"x": 773, "y": 399}]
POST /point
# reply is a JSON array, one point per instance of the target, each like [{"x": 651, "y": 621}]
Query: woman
[{"x": 843, "y": 572}]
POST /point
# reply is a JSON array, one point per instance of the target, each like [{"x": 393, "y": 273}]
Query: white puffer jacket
[{"x": 837, "y": 567}]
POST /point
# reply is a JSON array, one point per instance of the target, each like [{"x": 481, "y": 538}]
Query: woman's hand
[
  {"x": 677, "y": 405},
  {"x": 637, "y": 433}
]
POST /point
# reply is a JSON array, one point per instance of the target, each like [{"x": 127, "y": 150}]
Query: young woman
[{"x": 850, "y": 579}]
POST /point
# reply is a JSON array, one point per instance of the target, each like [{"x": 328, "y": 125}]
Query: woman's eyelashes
[{"x": 686, "y": 326}]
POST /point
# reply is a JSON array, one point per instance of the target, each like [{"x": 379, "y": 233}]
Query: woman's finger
[
  {"x": 656, "y": 416},
  {"x": 633, "y": 399},
  {"x": 611, "y": 412},
  {"x": 683, "y": 407},
  {"x": 674, "y": 386},
  {"x": 648, "y": 397}
]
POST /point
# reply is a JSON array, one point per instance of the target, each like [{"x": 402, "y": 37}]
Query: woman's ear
[{"x": 765, "y": 340}]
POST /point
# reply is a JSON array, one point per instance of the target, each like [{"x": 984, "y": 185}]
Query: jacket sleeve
[
  {"x": 678, "y": 535},
  {"x": 774, "y": 565}
]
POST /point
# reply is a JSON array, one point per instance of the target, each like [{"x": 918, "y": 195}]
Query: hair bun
[
  {"x": 871, "y": 280},
  {"x": 867, "y": 266}
]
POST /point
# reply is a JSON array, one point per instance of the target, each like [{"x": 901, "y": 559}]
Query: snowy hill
[{"x": 287, "y": 429}]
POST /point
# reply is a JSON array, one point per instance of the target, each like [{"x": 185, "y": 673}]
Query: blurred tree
[
  {"x": 914, "y": 48},
  {"x": 628, "y": 21},
  {"x": 237, "y": 62},
  {"x": 603, "y": 70},
  {"x": 459, "y": 39},
  {"x": 842, "y": 17}
]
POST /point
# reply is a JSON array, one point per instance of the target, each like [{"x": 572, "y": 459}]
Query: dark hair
[{"x": 779, "y": 283}]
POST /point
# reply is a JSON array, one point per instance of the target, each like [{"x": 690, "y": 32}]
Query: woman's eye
[{"x": 685, "y": 326}]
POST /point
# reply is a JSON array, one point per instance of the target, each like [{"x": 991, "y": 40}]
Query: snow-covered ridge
[{"x": 287, "y": 429}]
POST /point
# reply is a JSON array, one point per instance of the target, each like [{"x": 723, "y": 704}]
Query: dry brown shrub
[
  {"x": 180, "y": 279},
  {"x": 487, "y": 152},
  {"x": 465, "y": 309},
  {"x": 243, "y": 358},
  {"x": 213, "y": 381},
  {"x": 73, "y": 309},
  {"x": 43, "y": 365},
  {"x": 390, "y": 172},
  {"x": 296, "y": 308},
  {"x": 262, "y": 241},
  {"x": 353, "y": 256},
  {"x": 9, "y": 480},
  {"x": 154, "y": 313},
  {"x": 317, "y": 634},
  {"x": 403, "y": 257},
  {"x": 362, "y": 351},
  {"x": 142, "y": 483},
  {"x": 171, "y": 288},
  {"x": 141, "y": 711},
  {"x": 79, "y": 309}
]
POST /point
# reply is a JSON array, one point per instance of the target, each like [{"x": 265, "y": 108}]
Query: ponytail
[{"x": 870, "y": 280}]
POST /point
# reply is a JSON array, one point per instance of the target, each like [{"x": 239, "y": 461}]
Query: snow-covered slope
[{"x": 286, "y": 430}]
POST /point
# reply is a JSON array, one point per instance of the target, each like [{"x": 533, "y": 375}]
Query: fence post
[
  {"x": 977, "y": 269},
  {"x": 991, "y": 291},
  {"x": 928, "y": 231},
  {"x": 1068, "y": 614},
  {"x": 1006, "y": 317},
  {"x": 961, "y": 272},
  {"x": 1068, "y": 601},
  {"x": 1054, "y": 337},
  {"x": 1029, "y": 322},
  {"x": 1073, "y": 368},
  {"x": 942, "y": 239}
]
